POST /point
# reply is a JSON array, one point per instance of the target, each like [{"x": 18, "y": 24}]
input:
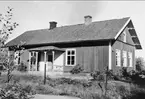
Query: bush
[
  {"x": 136, "y": 92},
  {"x": 22, "y": 67},
  {"x": 136, "y": 77},
  {"x": 77, "y": 69},
  {"x": 140, "y": 64},
  {"x": 122, "y": 91},
  {"x": 16, "y": 91},
  {"x": 95, "y": 75},
  {"x": 124, "y": 72}
]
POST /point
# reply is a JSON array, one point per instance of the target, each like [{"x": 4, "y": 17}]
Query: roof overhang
[
  {"x": 46, "y": 48},
  {"x": 132, "y": 32}
]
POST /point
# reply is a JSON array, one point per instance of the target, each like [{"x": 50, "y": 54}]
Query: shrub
[
  {"x": 136, "y": 92},
  {"x": 77, "y": 69},
  {"x": 124, "y": 73},
  {"x": 140, "y": 64},
  {"x": 122, "y": 91},
  {"x": 22, "y": 67},
  {"x": 95, "y": 75},
  {"x": 137, "y": 77},
  {"x": 16, "y": 91}
]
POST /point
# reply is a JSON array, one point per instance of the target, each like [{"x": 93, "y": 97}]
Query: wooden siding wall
[
  {"x": 128, "y": 46},
  {"x": 128, "y": 37},
  {"x": 90, "y": 58}
]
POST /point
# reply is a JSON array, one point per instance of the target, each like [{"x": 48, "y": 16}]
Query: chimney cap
[
  {"x": 87, "y": 16},
  {"x": 53, "y": 22}
]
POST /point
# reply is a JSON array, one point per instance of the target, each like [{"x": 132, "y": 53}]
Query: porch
[{"x": 49, "y": 56}]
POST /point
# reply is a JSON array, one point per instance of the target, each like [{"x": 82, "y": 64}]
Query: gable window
[
  {"x": 124, "y": 59},
  {"x": 118, "y": 57},
  {"x": 124, "y": 36},
  {"x": 129, "y": 59},
  {"x": 71, "y": 57}
]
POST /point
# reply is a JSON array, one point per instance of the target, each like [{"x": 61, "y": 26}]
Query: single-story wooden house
[{"x": 92, "y": 45}]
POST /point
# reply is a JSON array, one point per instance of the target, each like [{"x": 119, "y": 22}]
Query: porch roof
[{"x": 46, "y": 48}]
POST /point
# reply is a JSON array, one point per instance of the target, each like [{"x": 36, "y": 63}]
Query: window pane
[
  {"x": 31, "y": 53},
  {"x": 130, "y": 59},
  {"x": 68, "y": 53},
  {"x": 68, "y": 62},
  {"x": 68, "y": 58},
  {"x": 73, "y": 52},
  {"x": 72, "y": 58},
  {"x": 118, "y": 57},
  {"x": 72, "y": 62},
  {"x": 34, "y": 53}
]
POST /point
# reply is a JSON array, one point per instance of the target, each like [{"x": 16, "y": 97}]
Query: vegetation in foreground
[{"x": 85, "y": 89}]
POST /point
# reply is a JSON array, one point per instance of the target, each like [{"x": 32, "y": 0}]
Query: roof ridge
[{"x": 78, "y": 24}]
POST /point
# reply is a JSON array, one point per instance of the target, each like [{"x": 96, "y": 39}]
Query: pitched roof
[{"x": 99, "y": 30}]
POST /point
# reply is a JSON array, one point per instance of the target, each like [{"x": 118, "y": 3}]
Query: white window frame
[
  {"x": 118, "y": 57},
  {"x": 124, "y": 36},
  {"x": 130, "y": 59},
  {"x": 72, "y": 49},
  {"x": 124, "y": 56},
  {"x": 33, "y": 54},
  {"x": 17, "y": 57}
]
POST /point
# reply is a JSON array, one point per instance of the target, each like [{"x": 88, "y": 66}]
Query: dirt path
[{"x": 39, "y": 96}]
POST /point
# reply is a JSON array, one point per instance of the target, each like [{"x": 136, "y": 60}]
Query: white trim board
[
  {"x": 122, "y": 28},
  {"x": 110, "y": 56}
]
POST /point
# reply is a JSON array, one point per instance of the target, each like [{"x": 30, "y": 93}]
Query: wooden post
[
  {"x": 44, "y": 67},
  {"x": 52, "y": 59},
  {"x": 29, "y": 61},
  {"x": 36, "y": 63}
]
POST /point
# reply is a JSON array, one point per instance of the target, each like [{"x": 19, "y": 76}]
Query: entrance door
[
  {"x": 41, "y": 60},
  {"x": 49, "y": 61}
]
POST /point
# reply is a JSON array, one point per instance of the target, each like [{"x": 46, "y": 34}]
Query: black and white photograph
[{"x": 72, "y": 49}]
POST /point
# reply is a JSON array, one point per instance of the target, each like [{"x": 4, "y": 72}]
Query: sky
[{"x": 32, "y": 15}]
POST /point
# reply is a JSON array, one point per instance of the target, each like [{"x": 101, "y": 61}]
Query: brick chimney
[
  {"x": 87, "y": 19},
  {"x": 53, "y": 25}
]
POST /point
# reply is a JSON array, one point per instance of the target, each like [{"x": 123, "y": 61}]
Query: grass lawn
[{"x": 72, "y": 86}]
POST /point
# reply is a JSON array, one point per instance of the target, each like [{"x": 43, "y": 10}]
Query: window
[
  {"x": 118, "y": 59},
  {"x": 70, "y": 57},
  {"x": 129, "y": 59},
  {"x": 33, "y": 58},
  {"x": 124, "y": 59},
  {"x": 17, "y": 57},
  {"x": 124, "y": 36}
]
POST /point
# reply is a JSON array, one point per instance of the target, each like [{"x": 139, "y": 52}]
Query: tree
[
  {"x": 7, "y": 28},
  {"x": 140, "y": 64}
]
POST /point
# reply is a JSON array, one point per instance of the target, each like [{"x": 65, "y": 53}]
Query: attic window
[{"x": 124, "y": 36}]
